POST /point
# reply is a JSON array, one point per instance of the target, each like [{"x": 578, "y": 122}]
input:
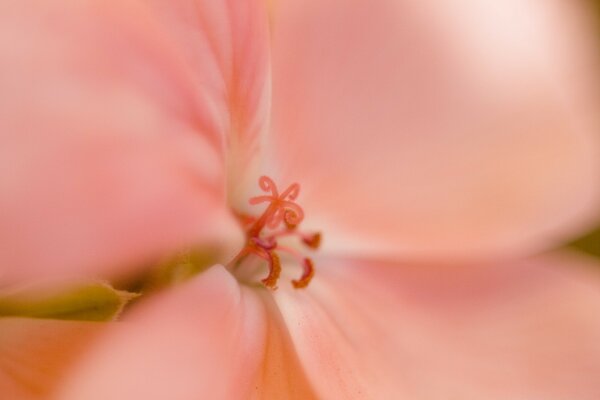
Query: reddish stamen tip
[
  {"x": 289, "y": 226},
  {"x": 307, "y": 275},
  {"x": 313, "y": 241}
]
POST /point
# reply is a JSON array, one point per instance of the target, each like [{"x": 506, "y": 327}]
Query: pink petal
[
  {"x": 111, "y": 137},
  {"x": 203, "y": 339},
  {"x": 229, "y": 42},
  {"x": 35, "y": 354},
  {"x": 369, "y": 330},
  {"x": 281, "y": 375},
  {"x": 438, "y": 129},
  {"x": 209, "y": 338}
]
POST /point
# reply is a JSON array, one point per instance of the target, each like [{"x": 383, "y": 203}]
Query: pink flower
[{"x": 439, "y": 147}]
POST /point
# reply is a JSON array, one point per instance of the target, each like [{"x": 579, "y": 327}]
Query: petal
[
  {"x": 369, "y": 330},
  {"x": 232, "y": 39},
  {"x": 35, "y": 354},
  {"x": 205, "y": 339},
  {"x": 438, "y": 129},
  {"x": 281, "y": 375},
  {"x": 110, "y": 154}
]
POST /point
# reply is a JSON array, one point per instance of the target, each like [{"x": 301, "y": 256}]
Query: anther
[
  {"x": 313, "y": 241},
  {"x": 307, "y": 275},
  {"x": 274, "y": 271}
]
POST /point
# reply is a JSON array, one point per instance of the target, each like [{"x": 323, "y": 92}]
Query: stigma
[{"x": 281, "y": 218}]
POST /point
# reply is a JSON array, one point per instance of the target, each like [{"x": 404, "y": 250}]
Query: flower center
[{"x": 281, "y": 218}]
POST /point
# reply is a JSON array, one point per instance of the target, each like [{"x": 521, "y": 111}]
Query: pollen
[{"x": 281, "y": 217}]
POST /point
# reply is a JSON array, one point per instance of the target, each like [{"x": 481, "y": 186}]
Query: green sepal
[
  {"x": 180, "y": 268},
  {"x": 589, "y": 243},
  {"x": 95, "y": 301}
]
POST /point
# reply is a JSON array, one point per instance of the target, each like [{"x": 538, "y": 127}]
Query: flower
[{"x": 437, "y": 151}]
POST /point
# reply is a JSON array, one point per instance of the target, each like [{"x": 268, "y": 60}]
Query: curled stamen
[
  {"x": 291, "y": 193},
  {"x": 267, "y": 185},
  {"x": 307, "y": 275},
  {"x": 261, "y": 199},
  {"x": 274, "y": 271},
  {"x": 293, "y": 214},
  {"x": 307, "y": 265}
]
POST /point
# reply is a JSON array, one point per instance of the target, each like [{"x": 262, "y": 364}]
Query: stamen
[
  {"x": 309, "y": 272},
  {"x": 281, "y": 208},
  {"x": 293, "y": 213},
  {"x": 291, "y": 192},
  {"x": 261, "y": 199},
  {"x": 313, "y": 241},
  {"x": 267, "y": 185},
  {"x": 274, "y": 271}
]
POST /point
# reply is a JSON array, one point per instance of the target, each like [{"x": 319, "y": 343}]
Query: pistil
[{"x": 263, "y": 232}]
